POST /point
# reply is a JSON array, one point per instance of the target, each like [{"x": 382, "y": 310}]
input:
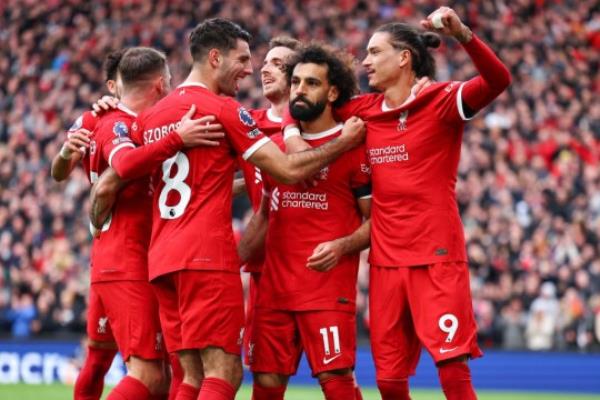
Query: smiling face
[
  {"x": 384, "y": 63},
  {"x": 235, "y": 65},
  {"x": 272, "y": 73}
]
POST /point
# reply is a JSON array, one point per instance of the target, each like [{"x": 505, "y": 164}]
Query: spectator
[{"x": 529, "y": 182}]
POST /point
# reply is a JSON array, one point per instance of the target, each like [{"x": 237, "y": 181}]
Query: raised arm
[{"x": 493, "y": 76}]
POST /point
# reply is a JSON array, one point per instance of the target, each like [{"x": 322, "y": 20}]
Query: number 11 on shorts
[{"x": 336, "y": 339}]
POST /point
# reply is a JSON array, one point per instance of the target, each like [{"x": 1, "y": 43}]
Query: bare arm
[
  {"x": 292, "y": 168},
  {"x": 103, "y": 197},
  {"x": 70, "y": 154},
  {"x": 254, "y": 236},
  {"x": 328, "y": 254},
  {"x": 239, "y": 187}
]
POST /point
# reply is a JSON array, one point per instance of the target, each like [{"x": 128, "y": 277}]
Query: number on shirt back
[
  {"x": 448, "y": 323},
  {"x": 336, "y": 339},
  {"x": 106, "y": 226},
  {"x": 176, "y": 183}
]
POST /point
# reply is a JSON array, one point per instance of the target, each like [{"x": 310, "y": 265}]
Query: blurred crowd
[{"x": 529, "y": 187}]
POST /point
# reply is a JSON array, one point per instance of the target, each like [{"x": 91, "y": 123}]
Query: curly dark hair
[
  {"x": 406, "y": 37},
  {"x": 111, "y": 64},
  {"x": 216, "y": 33},
  {"x": 340, "y": 68}
]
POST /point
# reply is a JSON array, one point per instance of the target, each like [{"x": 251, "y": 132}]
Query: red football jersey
[
  {"x": 192, "y": 191},
  {"x": 120, "y": 252},
  {"x": 88, "y": 121},
  {"x": 300, "y": 219},
  {"x": 269, "y": 124},
  {"x": 414, "y": 152}
]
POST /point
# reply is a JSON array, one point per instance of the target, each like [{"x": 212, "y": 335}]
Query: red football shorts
[
  {"x": 199, "y": 309},
  {"x": 97, "y": 325},
  {"x": 428, "y": 306},
  {"x": 250, "y": 308},
  {"x": 279, "y": 336},
  {"x": 132, "y": 312}
]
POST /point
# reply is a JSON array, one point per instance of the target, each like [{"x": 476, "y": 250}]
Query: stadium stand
[{"x": 529, "y": 187}]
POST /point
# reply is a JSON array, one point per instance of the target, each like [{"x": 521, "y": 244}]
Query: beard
[{"x": 307, "y": 112}]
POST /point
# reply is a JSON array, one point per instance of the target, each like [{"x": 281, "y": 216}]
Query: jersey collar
[
  {"x": 272, "y": 117},
  {"x": 188, "y": 84},
  {"x": 324, "y": 134},
  {"x": 411, "y": 97}
]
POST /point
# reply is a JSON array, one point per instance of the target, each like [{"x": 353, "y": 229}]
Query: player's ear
[
  {"x": 214, "y": 58},
  {"x": 333, "y": 94},
  {"x": 404, "y": 58}
]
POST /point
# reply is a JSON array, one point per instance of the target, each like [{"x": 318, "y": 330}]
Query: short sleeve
[
  {"x": 115, "y": 136},
  {"x": 241, "y": 129},
  {"x": 360, "y": 177},
  {"x": 449, "y": 105}
]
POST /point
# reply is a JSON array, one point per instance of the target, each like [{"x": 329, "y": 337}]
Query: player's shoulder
[
  {"x": 87, "y": 120},
  {"x": 366, "y": 99},
  {"x": 441, "y": 88},
  {"x": 258, "y": 114},
  {"x": 115, "y": 122}
]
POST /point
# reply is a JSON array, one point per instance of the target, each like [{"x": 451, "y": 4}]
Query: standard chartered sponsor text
[
  {"x": 315, "y": 201},
  {"x": 388, "y": 154}
]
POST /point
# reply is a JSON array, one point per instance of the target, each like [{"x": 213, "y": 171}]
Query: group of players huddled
[{"x": 329, "y": 173}]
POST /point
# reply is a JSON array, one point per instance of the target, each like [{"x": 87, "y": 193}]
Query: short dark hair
[
  {"x": 285, "y": 41},
  {"x": 111, "y": 64},
  {"x": 340, "y": 69},
  {"x": 141, "y": 63},
  {"x": 406, "y": 37},
  {"x": 216, "y": 33}
]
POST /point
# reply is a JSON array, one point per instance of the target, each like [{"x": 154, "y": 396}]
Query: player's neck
[
  {"x": 278, "y": 107},
  {"x": 395, "y": 95},
  {"x": 137, "y": 102},
  {"x": 324, "y": 122},
  {"x": 200, "y": 75}
]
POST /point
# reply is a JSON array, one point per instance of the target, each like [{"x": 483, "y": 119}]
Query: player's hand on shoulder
[
  {"x": 354, "y": 131},
  {"x": 325, "y": 256},
  {"x": 106, "y": 103},
  {"x": 445, "y": 21},
  {"x": 204, "y": 131},
  {"x": 77, "y": 142}
]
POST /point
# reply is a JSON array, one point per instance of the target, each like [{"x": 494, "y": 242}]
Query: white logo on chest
[{"x": 402, "y": 121}]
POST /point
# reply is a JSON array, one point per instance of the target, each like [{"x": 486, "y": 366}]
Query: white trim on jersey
[
  {"x": 117, "y": 148},
  {"x": 272, "y": 117},
  {"x": 321, "y": 135},
  {"x": 248, "y": 153},
  {"x": 187, "y": 84},
  {"x": 459, "y": 103},
  {"x": 367, "y": 196},
  {"x": 126, "y": 109}
]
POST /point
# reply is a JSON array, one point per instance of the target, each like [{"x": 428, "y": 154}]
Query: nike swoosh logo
[
  {"x": 442, "y": 351},
  {"x": 328, "y": 360}
]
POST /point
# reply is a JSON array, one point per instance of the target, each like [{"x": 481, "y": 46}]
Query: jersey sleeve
[
  {"x": 360, "y": 177},
  {"x": 464, "y": 99},
  {"x": 111, "y": 144},
  {"x": 241, "y": 129}
]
